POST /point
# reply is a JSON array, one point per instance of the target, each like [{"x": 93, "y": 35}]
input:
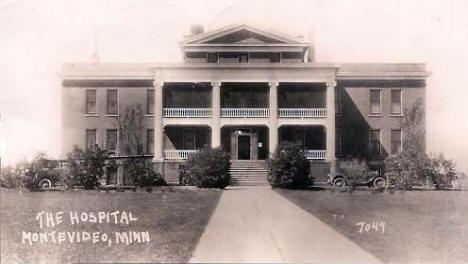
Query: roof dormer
[{"x": 244, "y": 44}]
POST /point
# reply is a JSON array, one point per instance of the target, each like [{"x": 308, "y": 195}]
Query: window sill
[
  {"x": 112, "y": 115},
  {"x": 149, "y": 115},
  {"x": 91, "y": 115},
  {"x": 396, "y": 115},
  {"x": 375, "y": 115}
]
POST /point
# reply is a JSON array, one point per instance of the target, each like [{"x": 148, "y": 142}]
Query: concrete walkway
[{"x": 257, "y": 224}]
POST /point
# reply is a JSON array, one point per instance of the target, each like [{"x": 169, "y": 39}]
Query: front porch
[
  {"x": 312, "y": 138},
  {"x": 182, "y": 141}
]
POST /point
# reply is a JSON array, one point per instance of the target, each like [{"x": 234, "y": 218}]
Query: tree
[
  {"x": 131, "y": 129},
  {"x": 86, "y": 167}
]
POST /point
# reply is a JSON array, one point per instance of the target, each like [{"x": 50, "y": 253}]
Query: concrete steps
[{"x": 248, "y": 173}]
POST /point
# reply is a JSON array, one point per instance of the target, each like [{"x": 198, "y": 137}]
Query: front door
[{"x": 243, "y": 147}]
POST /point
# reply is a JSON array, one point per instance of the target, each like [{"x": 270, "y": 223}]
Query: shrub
[
  {"x": 288, "y": 168},
  {"x": 442, "y": 171},
  {"x": 86, "y": 167},
  {"x": 407, "y": 169},
  {"x": 209, "y": 168},
  {"x": 355, "y": 170},
  {"x": 11, "y": 177},
  {"x": 142, "y": 173}
]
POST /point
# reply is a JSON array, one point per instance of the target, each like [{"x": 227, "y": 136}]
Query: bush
[
  {"x": 143, "y": 173},
  {"x": 288, "y": 168},
  {"x": 209, "y": 168},
  {"x": 442, "y": 171},
  {"x": 407, "y": 169},
  {"x": 355, "y": 170},
  {"x": 86, "y": 168},
  {"x": 12, "y": 178}
]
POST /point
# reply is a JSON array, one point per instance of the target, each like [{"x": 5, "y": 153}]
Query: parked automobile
[
  {"x": 368, "y": 178},
  {"x": 44, "y": 173}
]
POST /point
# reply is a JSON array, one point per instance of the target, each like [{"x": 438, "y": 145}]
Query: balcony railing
[
  {"x": 302, "y": 112},
  {"x": 179, "y": 154},
  {"x": 316, "y": 154},
  {"x": 245, "y": 112},
  {"x": 186, "y": 112}
]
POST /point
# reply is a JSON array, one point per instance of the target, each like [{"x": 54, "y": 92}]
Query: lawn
[
  {"x": 174, "y": 220},
  {"x": 419, "y": 226}
]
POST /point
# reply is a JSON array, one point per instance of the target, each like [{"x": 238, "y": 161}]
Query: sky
[{"x": 36, "y": 37}]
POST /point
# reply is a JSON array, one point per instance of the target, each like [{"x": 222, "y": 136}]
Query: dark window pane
[
  {"x": 375, "y": 142},
  {"x": 195, "y": 55},
  {"x": 111, "y": 139},
  {"x": 260, "y": 55},
  {"x": 396, "y": 141},
  {"x": 337, "y": 100},
  {"x": 150, "y": 141},
  {"x": 91, "y": 102},
  {"x": 396, "y": 101},
  {"x": 112, "y": 102},
  {"x": 338, "y": 142},
  {"x": 150, "y": 101},
  {"x": 90, "y": 138},
  {"x": 243, "y": 58},
  {"x": 213, "y": 57},
  {"x": 375, "y": 101},
  {"x": 275, "y": 57}
]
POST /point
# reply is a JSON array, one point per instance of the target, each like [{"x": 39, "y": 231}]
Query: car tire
[
  {"x": 339, "y": 182},
  {"x": 378, "y": 182},
  {"x": 45, "y": 183}
]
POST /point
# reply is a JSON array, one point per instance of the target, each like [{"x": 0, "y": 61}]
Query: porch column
[
  {"x": 216, "y": 112},
  {"x": 273, "y": 132},
  {"x": 330, "y": 122},
  {"x": 158, "y": 123}
]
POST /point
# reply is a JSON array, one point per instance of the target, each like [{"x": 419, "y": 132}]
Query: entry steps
[{"x": 248, "y": 173}]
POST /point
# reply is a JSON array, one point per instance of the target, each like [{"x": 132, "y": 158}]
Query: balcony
[
  {"x": 187, "y": 112},
  {"x": 245, "y": 112},
  {"x": 179, "y": 154},
  {"x": 302, "y": 112},
  {"x": 315, "y": 154}
]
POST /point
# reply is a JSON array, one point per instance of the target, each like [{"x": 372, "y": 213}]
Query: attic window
[
  {"x": 195, "y": 55},
  {"x": 291, "y": 55},
  {"x": 275, "y": 57},
  {"x": 213, "y": 57}
]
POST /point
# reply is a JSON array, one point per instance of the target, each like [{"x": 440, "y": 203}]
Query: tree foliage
[
  {"x": 209, "y": 168},
  {"x": 131, "y": 130},
  {"x": 86, "y": 167},
  {"x": 288, "y": 167}
]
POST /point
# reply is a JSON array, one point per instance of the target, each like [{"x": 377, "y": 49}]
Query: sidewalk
[{"x": 257, "y": 224}]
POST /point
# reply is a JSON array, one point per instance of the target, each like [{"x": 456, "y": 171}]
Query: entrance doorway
[{"x": 243, "y": 146}]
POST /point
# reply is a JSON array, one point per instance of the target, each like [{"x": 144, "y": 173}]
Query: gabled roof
[{"x": 242, "y": 34}]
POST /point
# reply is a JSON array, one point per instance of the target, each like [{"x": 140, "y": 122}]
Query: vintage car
[{"x": 368, "y": 178}]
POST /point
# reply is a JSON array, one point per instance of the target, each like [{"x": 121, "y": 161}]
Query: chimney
[{"x": 196, "y": 29}]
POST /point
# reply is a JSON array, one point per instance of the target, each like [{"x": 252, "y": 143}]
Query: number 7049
[{"x": 376, "y": 226}]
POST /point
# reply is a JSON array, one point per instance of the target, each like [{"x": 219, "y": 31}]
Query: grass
[
  {"x": 175, "y": 220},
  {"x": 420, "y": 226}
]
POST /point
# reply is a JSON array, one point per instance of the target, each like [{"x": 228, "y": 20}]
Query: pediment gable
[{"x": 241, "y": 35}]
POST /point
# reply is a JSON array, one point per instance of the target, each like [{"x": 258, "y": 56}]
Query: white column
[
  {"x": 215, "y": 113},
  {"x": 158, "y": 121},
  {"x": 273, "y": 131},
  {"x": 330, "y": 122}
]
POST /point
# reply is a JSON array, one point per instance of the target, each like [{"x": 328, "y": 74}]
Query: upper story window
[
  {"x": 112, "y": 102},
  {"x": 243, "y": 58},
  {"x": 395, "y": 141},
  {"x": 90, "y": 138},
  {"x": 375, "y": 107},
  {"x": 111, "y": 139},
  {"x": 396, "y": 102},
  {"x": 91, "y": 105},
  {"x": 212, "y": 57},
  {"x": 275, "y": 57},
  {"x": 374, "y": 142},
  {"x": 150, "y": 101}
]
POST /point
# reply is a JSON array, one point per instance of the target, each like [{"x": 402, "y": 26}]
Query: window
[
  {"x": 396, "y": 102},
  {"x": 338, "y": 142},
  {"x": 395, "y": 141},
  {"x": 338, "y": 100},
  {"x": 112, "y": 102},
  {"x": 243, "y": 58},
  {"x": 375, "y": 101},
  {"x": 150, "y": 101},
  {"x": 374, "y": 147},
  {"x": 91, "y": 106},
  {"x": 275, "y": 57},
  {"x": 150, "y": 141},
  {"x": 111, "y": 140},
  {"x": 90, "y": 138},
  {"x": 213, "y": 57}
]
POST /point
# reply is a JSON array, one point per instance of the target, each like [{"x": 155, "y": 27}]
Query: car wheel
[
  {"x": 379, "y": 182},
  {"x": 339, "y": 183},
  {"x": 45, "y": 183}
]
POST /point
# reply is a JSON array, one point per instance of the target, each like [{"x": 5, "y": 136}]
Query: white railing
[
  {"x": 302, "y": 112},
  {"x": 245, "y": 112},
  {"x": 179, "y": 154},
  {"x": 316, "y": 154},
  {"x": 186, "y": 112}
]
